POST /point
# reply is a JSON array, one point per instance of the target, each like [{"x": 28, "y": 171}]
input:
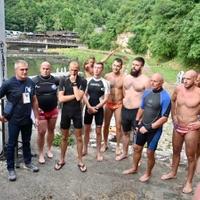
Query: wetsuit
[
  {"x": 156, "y": 104},
  {"x": 96, "y": 89},
  {"x": 71, "y": 110},
  {"x": 46, "y": 92}
]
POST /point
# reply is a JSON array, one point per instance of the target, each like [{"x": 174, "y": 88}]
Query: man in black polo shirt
[
  {"x": 71, "y": 91},
  {"x": 20, "y": 93}
]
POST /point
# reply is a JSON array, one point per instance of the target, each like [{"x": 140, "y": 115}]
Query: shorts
[
  {"x": 113, "y": 105},
  {"x": 98, "y": 117},
  {"x": 128, "y": 118},
  {"x": 53, "y": 114},
  {"x": 66, "y": 118},
  {"x": 151, "y": 137}
]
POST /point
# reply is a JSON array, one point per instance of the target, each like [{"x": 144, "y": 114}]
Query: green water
[{"x": 34, "y": 63}]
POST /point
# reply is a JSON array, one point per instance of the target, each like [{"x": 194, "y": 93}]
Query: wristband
[{"x": 136, "y": 124}]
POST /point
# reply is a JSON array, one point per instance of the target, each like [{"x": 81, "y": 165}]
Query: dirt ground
[{"x": 102, "y": 181}]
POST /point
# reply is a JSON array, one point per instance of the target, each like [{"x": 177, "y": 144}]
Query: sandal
[
  {"x": 82, "y": 167},
  {"x": 59, "y": 166}
]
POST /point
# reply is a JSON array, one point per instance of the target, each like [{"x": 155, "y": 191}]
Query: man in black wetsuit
[
  {"x": 20, "y": 93},
  {"x": 151, "y": 116},
  {"x": 98, "y": 90},
  {"x": 46, "y": 91},
  {"x": 71, "y": 91}
]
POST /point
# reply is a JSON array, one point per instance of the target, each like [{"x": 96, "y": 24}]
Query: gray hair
[{"x": 20, "y": 62}]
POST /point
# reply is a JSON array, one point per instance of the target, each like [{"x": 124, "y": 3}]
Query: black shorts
[
  {"x": 66, "y": 118},
  {"x": 98, "y": 117},
  {"x": 128, "y": 118},
  {"x": 151, "y": 137}
]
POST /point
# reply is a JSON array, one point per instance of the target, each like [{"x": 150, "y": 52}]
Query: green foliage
[
  {"x": 166, "y": 28},
  {"x": 58, "y": 138}
]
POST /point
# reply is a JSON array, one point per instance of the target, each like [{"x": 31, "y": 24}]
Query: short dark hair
[
  {"x": 100, "y": 63},
  {"x": 119, "y": 60},
  {"x": 141, "y": 60}
]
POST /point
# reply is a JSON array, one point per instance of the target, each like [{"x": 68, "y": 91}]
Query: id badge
[{"x": 26, "y": 97}]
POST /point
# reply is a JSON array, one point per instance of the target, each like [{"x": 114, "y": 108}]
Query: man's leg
[
  {"x": 107, "y": 118},
  {"x": 87, "y": 128},
  {"x": 98, "y": 141},
  {"x": 79, "y": 140},
  {"x": 117, "y": 114},
  {"x": 191, "y": 141},
  {"x": 26, "y": 132},
  {"x": 126, "y": 140},
  {"x": 42, "y": 128},
  {"x": 198, "y": 157},
  {"x": 13, "y": 133},
  {"x": 150, "y": 165},
  {"x": 177, "y": 143},
  {"x": 136, "y": 159},
  {"x": 50, "y": 136},
  {"x": 64, "y": 144}
]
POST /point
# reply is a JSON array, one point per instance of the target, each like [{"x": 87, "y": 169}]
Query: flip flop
[
  {"x": 50, "y": 157},
  {"x": 59, "y": 166},
  {"x": 120, "y": 157},
  {"x": 82, "y": 167}
]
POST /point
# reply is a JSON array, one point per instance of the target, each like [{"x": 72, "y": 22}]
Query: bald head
[
  {"x": 45, "y": 69},
  {"x": 156, "y": 81},
  {"x": 158, "y": 77},
  {"x": 191, "y": 73},
  {"x": 189, "y": 78}
]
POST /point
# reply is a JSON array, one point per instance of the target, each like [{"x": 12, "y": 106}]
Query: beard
[{"x": 135, "y": 73}]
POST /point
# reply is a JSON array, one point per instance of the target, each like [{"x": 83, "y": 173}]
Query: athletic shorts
[
  {"x": 128, "y": 118},
  {"x": 98, "y": 117},
  {"x": 53, "y": 114},
  {"x": 67, "y": 117},
  {"x": 151, "y": 137}
]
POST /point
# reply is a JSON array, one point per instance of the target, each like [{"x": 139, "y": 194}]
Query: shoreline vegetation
[{"x": 59, "y": 58}]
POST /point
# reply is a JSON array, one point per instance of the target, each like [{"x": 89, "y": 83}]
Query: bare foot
[
  {"x": 118, "y": 151},
  {"x": 129, "y": 171},
  {"x": 49, "y": 154},
  {"x": 145, "y": 178},
  {"x": 99, "y": 157},
  {"x": 121, "y": 157},
  {"x": 187, "y": 188},
  {"x": 84, "y": 153},
  {"x": 104, "y": 148},
  {"x": 41, "y": 159},
  {"x": 168, "y": 176}
]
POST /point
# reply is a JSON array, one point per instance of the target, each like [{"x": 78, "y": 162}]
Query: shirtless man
[
  {"x": 114, "y": 103},
  {"x": 134, "y": 85},
  {"x": 152, "y": 114},
  {"x": 185, "y": 112},
  {"x": 198, "y": 147}
]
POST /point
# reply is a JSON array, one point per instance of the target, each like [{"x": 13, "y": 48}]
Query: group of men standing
[{"x": 139, "y": 104}]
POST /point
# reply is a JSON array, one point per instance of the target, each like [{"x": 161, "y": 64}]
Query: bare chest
[
  {"x": 190, "y": 100},
  {"x": 135, "y": 84},
  {"x": 115, "y": 82}
]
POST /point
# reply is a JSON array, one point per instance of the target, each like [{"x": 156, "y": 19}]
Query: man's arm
[
  {"x": 173, "y": 108},
  {"x": 106, "y": 95},
  {"x": 64, "y": 98},
  {"x": 158, "y": 123},
  {"x": 35, "y": 108},
  {"x": 90, "y": 108},
  {"x": 108, "y": 56}
]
